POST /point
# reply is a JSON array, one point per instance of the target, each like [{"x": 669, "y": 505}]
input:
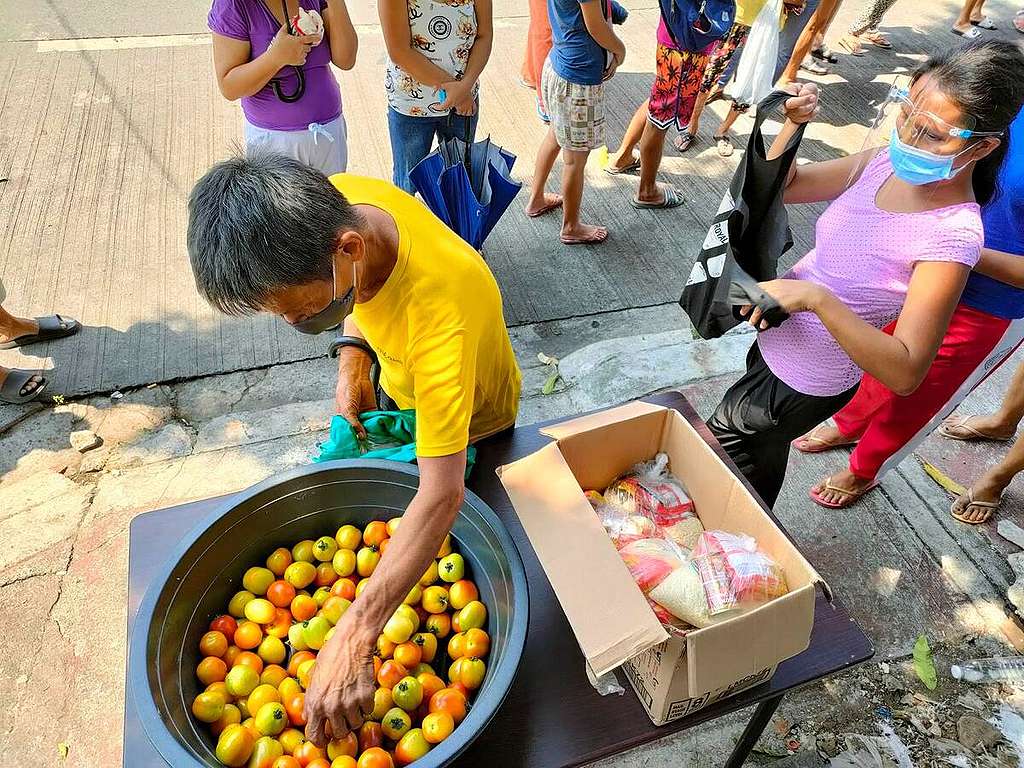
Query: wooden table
[{"x": 552, "y": 716}]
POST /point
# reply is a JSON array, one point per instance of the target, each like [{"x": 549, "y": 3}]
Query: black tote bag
[{"x": 748, "y": 236}]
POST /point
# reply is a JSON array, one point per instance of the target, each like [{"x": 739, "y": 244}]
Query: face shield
[{"x": 928, "y": 139}]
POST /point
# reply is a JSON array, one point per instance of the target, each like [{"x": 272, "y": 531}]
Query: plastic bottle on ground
[{"x": 978, "y": 670}]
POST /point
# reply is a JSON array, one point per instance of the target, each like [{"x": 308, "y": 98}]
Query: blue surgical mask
[{"x": 918, "y": 166}]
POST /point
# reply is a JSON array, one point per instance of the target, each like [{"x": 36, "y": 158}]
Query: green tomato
[
  {"x": 257, "y": 579},
  {"x": 314, "y": 632},
  {"x": 271, "y": 719},
  {"x": 324, "y": 548},
  {"x": 241, "y": 680},
  {"x": 296, "y": 638},
  {"x": 395, "y": 723},
  {"x": 303, "y": 551},
  {"x": 451, "y": 568},
  {"x": 266, "y": 751},
  {"x": 408, "y": 694},
  {"x": 472, "y": 616},
  {"x": 238, "y": 602}
]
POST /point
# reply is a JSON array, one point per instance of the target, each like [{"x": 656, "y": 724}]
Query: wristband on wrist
[{"x": 352, "y": 341}]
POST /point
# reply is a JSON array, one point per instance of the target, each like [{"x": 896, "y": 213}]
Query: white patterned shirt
[{"x": 444, "y": 31}]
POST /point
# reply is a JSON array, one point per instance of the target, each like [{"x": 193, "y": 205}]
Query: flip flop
[
  {"x": 671, "y": 199},
  {"x": 813, "y": 444},
  {"x": 826, "y": 55},
  {"x": 971, "y": 34},
  {"x": 853, "y": 49},
  {"x": 961, "y": 422},
  {"x": 10, "y": 390},
  {"x": 852, "y": 496},
  {"x": 988, "y": 507},
  {"x": 683, "y": 141},
  {"x": 984, "y": 23},
  {"x": 50, "y": 328},
  {"x": 546, "y": 209},
  {"x": 1018, "y": 22},
  {"x": 633, "y": 167},
  {"x": 585, "y": 240},
  {"x": 877, "y": 39},
  {"x": 724, "y": 145}
]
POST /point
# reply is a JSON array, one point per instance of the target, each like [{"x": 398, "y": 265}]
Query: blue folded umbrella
[{"x": 468, "y": 189}]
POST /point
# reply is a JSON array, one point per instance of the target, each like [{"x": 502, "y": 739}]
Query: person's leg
[
  {"x": 988, "y": 489},
  {"x": 730, "y": 118},
  {"x": 819, "y": 21},
  {"x": 790, "y": 34},
  {"x": 573, "y": 230},
  {"x": 963, "y": 21},
  {"x": 411, "y": 139},
  {"x": 651, "y": 150},
  {"x": 1001, "y": 425},
  {"x": 624, "y": 156},
  {"x": 899, "y": 425},
  {"x": 977, "y": 14},
  {"x": 691, "y": 67},
  {"x": 12, "y": 327},
  {"x": 540, "y": 201},
  {"x": 758, "y": 418}
]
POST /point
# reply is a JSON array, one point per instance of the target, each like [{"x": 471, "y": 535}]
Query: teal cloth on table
[{"x": 390, "y": 435}]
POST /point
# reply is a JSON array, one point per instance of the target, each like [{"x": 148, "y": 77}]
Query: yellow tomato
[{"x": 235, "y": 745}]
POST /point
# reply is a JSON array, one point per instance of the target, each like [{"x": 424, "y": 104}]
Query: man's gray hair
[{"x": 260, "y": 223}]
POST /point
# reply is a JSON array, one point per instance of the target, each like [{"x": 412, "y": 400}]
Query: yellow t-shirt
[
  {"x": 437, "y": 327},
  {"x": 747, "y": 10}
]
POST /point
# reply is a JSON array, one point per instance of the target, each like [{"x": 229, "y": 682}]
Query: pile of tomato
[{"x": 257, "y": 658}]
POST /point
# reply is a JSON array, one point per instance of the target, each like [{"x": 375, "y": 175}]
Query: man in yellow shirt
[{"x": 268, "y": 234}]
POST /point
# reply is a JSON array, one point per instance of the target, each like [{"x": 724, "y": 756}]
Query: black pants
[{"x": 760, "y": 416}]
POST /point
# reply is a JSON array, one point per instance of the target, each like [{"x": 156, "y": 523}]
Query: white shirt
[{"x": 444, "y": 31}]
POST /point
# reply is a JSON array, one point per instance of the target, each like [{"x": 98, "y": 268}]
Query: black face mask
[{"x": 334, "y": 314}]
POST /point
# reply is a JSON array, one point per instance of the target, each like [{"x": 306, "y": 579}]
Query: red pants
[{"x": 890, "y": 426}]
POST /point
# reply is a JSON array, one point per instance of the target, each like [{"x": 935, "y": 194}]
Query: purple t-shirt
[
  {"x": 865, "y": 256},
  {"x": 252, "y": 21}
]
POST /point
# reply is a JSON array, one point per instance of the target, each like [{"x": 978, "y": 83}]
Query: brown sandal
[
  {"x": 814, "y": 444},
  {"x": 988, "y": 508},
  {"x": 852, "y": 496}
]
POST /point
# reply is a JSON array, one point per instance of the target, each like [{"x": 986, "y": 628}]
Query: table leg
[{"x": 761, "y": 717}]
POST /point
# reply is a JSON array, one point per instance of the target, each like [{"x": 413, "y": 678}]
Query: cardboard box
[{"x": 610, "y": 617}]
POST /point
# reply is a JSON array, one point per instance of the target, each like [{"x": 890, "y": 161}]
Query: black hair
[
  {"x": 986, "y": 80},
  {"x": 260, "y": 223}
]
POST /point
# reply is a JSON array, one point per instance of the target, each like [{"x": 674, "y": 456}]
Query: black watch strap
[{"x": 352, "y": 341}]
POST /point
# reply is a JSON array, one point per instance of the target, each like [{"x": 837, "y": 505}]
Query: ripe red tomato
[
  {"x": 370, "y": 735},
  {"x": 451, "y": 701},
  {"x": 281, "y": 593},
  {"x": 391, "y": 672},
  {"x": 224, "y": 624},
  {"x": 344, "y": 587},
  {"x": 293, "y": 705}
]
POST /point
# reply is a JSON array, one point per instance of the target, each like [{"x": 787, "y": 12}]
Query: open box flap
[
  {"x": 602, "y": 419},
  {"x": 609, "y": 616},
  {"x": 745, "y": 646}
]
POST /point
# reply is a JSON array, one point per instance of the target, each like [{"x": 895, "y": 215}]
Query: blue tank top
[{"x": 1003, "y": 218}]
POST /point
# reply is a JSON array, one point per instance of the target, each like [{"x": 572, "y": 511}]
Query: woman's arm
[
  {"x": 899, "y": 361},
  {"x": 460, "y": 94},
  {"x": 238, "y": 77},
  {"x": 394, "y": 21},
  {"x": 341, "y": 35},
  {"x": 812, "y": 182},
  {"x": 999, "y": 265}
]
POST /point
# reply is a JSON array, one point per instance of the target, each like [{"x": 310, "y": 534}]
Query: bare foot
[
  {"x": 30, "y": 386},
  {"x": 843, "y": 488},
  {"x": 825, "y": 437},
  {"x": 549, "y": 201},
  {"x": 21, "y": 326},
  {"x": 985, "y": 427},
  {"x": 582, "y": 234},
  {"x": 980, "y": 502}
]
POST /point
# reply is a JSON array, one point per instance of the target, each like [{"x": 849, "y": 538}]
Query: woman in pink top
[{"x": 897, "y": 244}]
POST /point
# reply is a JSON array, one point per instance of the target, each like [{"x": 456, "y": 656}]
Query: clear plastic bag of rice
[
  {"x": 653, "y": 564},
  {"x": 735, "y": 573},
  {"x": 650, "y": 561},
  {"x": 681, "y": 593},
  {"x": 650, "y": 491},
  {"x": 624, "y": 528}
]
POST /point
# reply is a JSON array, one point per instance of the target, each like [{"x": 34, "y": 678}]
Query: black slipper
[
  {"x": 10, "y": 390},
  {"x": 50, "y": 328}
]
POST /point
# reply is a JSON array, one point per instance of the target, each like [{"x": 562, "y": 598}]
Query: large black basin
[{"x": 205, "y": 568}]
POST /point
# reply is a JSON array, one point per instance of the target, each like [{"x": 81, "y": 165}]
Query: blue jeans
[{"x": 412, "y": 138}]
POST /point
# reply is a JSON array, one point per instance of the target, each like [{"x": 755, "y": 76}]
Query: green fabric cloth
[{"x": 390, "y": 435}]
